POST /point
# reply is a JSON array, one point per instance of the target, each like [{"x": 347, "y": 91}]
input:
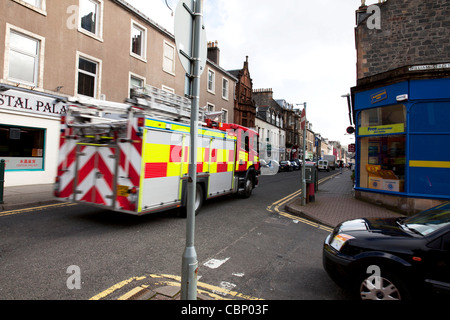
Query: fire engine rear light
[
  {"x": 141, "y": 122},
  {"x": 134, "y": 197}
]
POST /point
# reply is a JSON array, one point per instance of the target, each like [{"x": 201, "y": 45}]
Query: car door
[{"x": 438, "y": 275}]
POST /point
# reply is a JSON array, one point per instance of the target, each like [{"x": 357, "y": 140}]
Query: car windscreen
[{"x": 430, "y": 220}]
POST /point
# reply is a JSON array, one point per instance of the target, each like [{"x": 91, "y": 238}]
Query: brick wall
[{"x": 412, "y": 32}]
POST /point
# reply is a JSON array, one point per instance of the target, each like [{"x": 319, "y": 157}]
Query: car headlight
[{"x": 339, "y": 240}]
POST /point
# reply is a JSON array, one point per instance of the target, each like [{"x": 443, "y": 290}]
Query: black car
[
  {"x": 285, "y": 166},
  {"x": 396, "y": 258},
  {"x": 296, "y": 163}
]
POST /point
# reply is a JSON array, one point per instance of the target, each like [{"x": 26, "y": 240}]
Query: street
[{"x": 241, "y": 246}]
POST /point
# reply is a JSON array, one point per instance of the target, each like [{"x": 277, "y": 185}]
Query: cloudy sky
[{"x": 303, "y": 50}]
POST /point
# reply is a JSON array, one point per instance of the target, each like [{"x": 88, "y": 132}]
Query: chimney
[{"x": 213, "y": 52}]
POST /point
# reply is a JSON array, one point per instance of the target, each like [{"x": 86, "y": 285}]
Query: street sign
[
  {"x": 351, "y": 147},
  {"x": 184, "y": 26}
]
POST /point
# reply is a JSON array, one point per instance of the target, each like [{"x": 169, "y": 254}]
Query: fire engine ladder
[
  {"x": 160, "y": 103},
  {"x": 92, "y": 116}
]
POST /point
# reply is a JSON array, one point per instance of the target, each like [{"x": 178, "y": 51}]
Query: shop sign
[
  {"x": 386, "y": 129},
  {"x": 379, "y": 96},
  {"x": 23, "y": 163},
  {"x": 32, "y": 103}
]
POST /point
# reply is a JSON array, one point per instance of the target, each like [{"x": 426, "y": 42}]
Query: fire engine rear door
[{"x": 96, "y": 174}]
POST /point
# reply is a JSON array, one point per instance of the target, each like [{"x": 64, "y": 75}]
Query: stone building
[
  {"x": 244, "y": 105},
  {"x": 401, "y": 104}
]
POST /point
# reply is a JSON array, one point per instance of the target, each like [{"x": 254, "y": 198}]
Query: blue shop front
[{"x": 403, "y": 143}]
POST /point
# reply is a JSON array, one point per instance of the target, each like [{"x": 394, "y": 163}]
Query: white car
[{"x": 323, "y": 165}]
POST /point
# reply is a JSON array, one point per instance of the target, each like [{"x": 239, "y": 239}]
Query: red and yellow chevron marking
[{"x": 94, "y": 175}]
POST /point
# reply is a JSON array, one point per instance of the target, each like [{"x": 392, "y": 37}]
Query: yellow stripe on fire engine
[
  {"x": 157, "y": 153},
  {"x": 174, "y": 169}
]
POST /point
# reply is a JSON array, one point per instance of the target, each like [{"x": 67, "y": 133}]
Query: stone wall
[{"x": 411, "y": 32}]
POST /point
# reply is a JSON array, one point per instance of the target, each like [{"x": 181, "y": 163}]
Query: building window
[
  {"x": 211, "y": 80},
  {"x": 22, "y": 147},
  {"x": 382, "y": 146},
  {"x": 35, "y": 3},
  {"x": 382, "y": 161},
  {"x": 224, "y": 116},
  {"x": 87, "y": 77},
  {"x": 23, "y": 58},
  {"x": 136, "y": 83},
  {"x": 138, "y": 40},
  {"x": 169, "y": 58},
  {"x": 90, "y": 16},
  {"x": 225, "y": 88}
]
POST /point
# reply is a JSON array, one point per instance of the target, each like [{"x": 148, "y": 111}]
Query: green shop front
[{"x": 403, "y": 143}]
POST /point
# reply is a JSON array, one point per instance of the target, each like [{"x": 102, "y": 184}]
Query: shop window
[
  {"x": 384, "y": 120},
  {"x": 382, "y": 162},
  {"x": 22, "y": 147}
]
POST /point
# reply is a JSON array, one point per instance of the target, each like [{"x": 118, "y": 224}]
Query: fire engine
[{"x": 133, "y": 157}]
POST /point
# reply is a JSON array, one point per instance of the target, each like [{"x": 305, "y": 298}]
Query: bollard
[{"x": 2, "y": 179}]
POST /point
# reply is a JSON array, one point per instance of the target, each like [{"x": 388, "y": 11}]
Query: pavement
[{"x": 334, "y": 202}]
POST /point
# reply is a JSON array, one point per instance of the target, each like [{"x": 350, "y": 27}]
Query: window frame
[
  {"x": 40, "y": 8},
  {"x": 171, "y": 59},
  {"x": 98, "y": 35},
  {"x": 211, "y": 82},
  {"x": 26, "y": 159},
  {"x": 137, "y": 77},
  {"x": 143, "y": 54},
  {"x": 224, "y": 117},
  {"x": 39, "y": 64},
  {"x": 225, "y": 88},
  {"x": 97, "y": 82}
]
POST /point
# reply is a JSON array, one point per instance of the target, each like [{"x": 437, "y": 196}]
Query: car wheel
[{"x": 384, "y": 287}]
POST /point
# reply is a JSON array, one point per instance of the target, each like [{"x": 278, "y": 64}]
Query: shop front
[
  {"x": 29, "y": 135},
  {"x": 403, "y": 148}
]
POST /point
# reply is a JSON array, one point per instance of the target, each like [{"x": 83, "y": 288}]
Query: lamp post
[{"x": 303, "y": 126}]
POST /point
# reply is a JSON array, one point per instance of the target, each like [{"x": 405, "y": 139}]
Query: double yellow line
[
  {"x": 277, "y": 207},
  {"x": 217, "y": 293},
  {"x": 40, "y": 208}
]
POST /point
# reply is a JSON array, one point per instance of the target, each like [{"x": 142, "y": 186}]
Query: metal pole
[
  {"x": 2, "y": 179},
  {"x": 304, "y": 163},
  {"x": 189, "y": 261}
]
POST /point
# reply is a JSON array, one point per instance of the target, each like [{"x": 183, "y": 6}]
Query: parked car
[
  {"x": 296, "y": 163},
  {"x": 393, "y": 258},
  {"x": 323, "y": 165},
  {"x": 285, "y": 165}
]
